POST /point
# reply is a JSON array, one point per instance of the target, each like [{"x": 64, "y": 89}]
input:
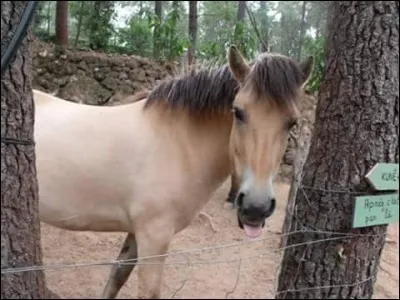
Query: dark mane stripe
[
  {"x": 202, "y": 91},
  {"x": 273, "y": 77}
]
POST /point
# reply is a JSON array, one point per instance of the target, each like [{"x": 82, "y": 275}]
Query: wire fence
[
  {"x": 325, "y": 236},
  {"x": 334, "y": 236},
  {"x": 142, "y": 260}
]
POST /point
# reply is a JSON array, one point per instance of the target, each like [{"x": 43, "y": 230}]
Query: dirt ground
[{"x": 213, "y": 280}]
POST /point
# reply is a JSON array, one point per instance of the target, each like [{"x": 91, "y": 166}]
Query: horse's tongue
[{"x": 252, "y": 231}]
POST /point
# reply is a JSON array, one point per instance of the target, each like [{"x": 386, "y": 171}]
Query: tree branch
[{"x": 254, "y": 24}]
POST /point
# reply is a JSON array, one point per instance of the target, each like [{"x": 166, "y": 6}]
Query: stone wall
[{"x": 93, "y": 78}]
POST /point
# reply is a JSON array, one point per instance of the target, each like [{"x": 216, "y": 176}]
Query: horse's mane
[
  {"x": 212, "y": 90},
  {"x": 275, "y": 78},
  {"x": 203, "y": 90}
]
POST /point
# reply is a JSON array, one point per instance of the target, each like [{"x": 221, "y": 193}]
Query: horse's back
[
  {"x": 83, "y": 162},
  {"x": 105, "y": 168}
]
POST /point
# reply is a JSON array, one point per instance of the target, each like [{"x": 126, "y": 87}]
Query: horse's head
[{"x": 264, "y": 111}]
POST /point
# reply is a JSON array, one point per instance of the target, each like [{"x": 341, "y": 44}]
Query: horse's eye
[{"x": 239, "y": 114}]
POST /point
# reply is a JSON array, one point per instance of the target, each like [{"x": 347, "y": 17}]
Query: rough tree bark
[
  {"x": 303, "y": 140},
  {"x": 62, "y": 23},
  {"x": 20, "y": 227},
  {"x": 357, "y": 123},
  {"x": 192, "y": 32}
]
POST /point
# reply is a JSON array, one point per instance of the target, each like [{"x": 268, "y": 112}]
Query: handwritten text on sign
[
  {"x": 376, "y": 210},
  {"x": 384, "y": 176}
]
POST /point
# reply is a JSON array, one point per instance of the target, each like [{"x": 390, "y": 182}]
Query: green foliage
[
  {"x": 93, "y": 24},
  {"x": 245, "y": 40},
  {"x": 316, "y": 47},
  {"x": 44, "y": 22},
  {"x": 216, "y": 28},
  {"x": 135, "y": 39},
  {"x": 99, "y": 24},
  {"x": 170, "y": 41}
]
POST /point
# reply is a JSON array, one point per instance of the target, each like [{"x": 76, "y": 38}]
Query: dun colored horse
[{"x": 149, "y": 167}]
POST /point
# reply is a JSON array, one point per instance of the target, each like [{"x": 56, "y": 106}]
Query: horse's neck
[{"x": 203, "y": 145}]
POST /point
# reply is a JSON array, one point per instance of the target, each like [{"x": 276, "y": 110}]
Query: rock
[
  {"x": 82, "y": 65},
  {"x": 132, "y": 64},
  {"x": 84, "y": 90},
  {"x": 110, "y": 83},
  {"x": 122, "y": 76}
]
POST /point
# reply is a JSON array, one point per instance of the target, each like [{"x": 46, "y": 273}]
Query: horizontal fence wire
[
  {"x": 142, "y": 260},
  {"x": 331, "y": 236}
]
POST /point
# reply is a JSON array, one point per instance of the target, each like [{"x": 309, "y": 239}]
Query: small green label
[
  {"x": 376, "y": 210},
  {"x": 384, "y": 177}
]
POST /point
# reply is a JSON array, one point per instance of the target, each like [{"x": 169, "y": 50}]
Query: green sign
[
  {"x": 376, "y": 210},
  {"x": 384, "y": 177}
]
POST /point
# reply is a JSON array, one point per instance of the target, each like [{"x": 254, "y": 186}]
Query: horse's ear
[
  {"x": 306, "y": 67},
  {"x": 237, "y": 64}
]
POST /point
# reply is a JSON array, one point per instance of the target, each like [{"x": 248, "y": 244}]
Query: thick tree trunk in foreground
[
  {"x": 20, "y": 227},
  {"x": 357, "y": 123}
]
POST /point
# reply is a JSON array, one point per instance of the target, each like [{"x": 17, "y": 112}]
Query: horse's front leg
[
  {"x": 152, "y": 242},
  {"x": 230, "y": 200},
  {"x": 120, "y": 273}
]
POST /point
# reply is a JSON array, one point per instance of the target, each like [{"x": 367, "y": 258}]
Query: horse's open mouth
[{"x": 252, "y": 230}]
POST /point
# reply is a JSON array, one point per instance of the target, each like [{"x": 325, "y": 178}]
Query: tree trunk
[
  {"x": 175, "y": 5},
  {"x": 80, "y": 19},
  {"x": 192, "y": 32},
  {"x": 48, "y": 18},
  {"x": 264, "y": 26},
  {"x": 141, "y": 10},
  {"x": 357, "y": 123},
  {"x": 239, "y": 28},
  {"x": 20, "y": 227},
  {"x": 283, "y": 25},
  {"x": 173, "y": 33},
  {"x": 94, "y": 40},
  {"x": 317, "y": 29},
  {"x": 302, "y": 142},
  {"x": 62, "y": 23},
  {"x": 302, "y": 29},
  {"x": 156, "y": 33}
]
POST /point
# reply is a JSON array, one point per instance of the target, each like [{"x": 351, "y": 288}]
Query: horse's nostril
[
  {"x": 273, "y": 204},
  {"x": 240, "y": 199},
  {"x": 271, "y": 207}
]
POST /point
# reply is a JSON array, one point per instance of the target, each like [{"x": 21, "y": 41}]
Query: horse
[{"x": 147, "y": 168}]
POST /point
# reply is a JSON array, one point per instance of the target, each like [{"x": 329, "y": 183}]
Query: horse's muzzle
[{"x": 240, "y": 222}]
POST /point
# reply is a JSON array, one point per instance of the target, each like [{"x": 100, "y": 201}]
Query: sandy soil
[{"x": 257, "y": 275}]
